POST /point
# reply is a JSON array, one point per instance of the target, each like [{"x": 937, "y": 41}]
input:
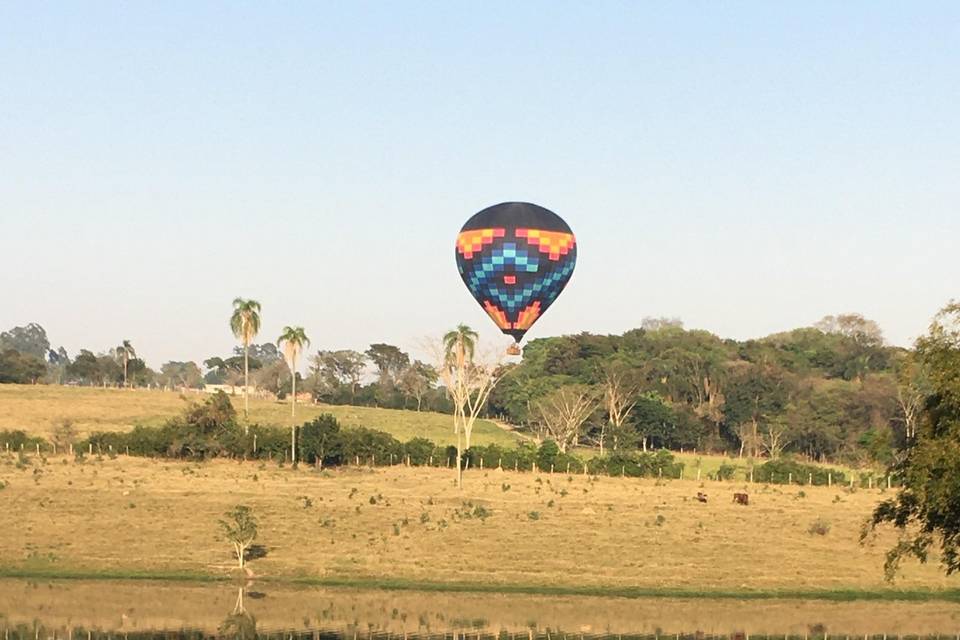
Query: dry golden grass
[
  {"x": 137, "y": 606},
  {"x": 40, "y": 409},
  {"x": 413, "y": 524}
]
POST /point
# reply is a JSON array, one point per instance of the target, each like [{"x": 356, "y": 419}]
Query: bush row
[
  {"x": 210, "y": 430},
  {"x": 786, "y": 470}
]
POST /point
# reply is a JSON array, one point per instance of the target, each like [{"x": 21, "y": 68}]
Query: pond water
[{"x": 97, "y": 610}]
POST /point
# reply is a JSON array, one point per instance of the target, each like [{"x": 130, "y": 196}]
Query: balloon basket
[{"x": 514, "y": 350}]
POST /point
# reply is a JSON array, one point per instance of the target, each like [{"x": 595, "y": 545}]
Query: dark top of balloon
[{"x": 523, "y": 215}]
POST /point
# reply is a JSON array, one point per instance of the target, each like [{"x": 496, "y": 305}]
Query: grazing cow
[
  {"x": 701, "y": 496},
  {"x": 741, "y": 498}
]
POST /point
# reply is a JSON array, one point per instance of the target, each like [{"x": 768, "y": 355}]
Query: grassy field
[
  {"x": 412, "y": 527},
  {"x": 39, "y": 409}
]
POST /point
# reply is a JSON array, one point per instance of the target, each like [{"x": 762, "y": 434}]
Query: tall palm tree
[
  {"x": 125, "y": 352},
  {"x": 459, "y": 344},
  {"x": 293, "y": 341},
  {"x": 245, "y": 324},
  {"x": 458, "y": 347}
]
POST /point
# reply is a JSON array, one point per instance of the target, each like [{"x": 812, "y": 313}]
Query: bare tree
[
  {"x": 911, "y": 395},
  {"x": 468, "y": 378},
  {"x": 563, "y": 413},
  {"x": 774, "y": 440},
  {"x": 619, "y": 399}
]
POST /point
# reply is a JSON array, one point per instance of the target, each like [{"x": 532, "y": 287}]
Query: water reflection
[
  {"x": 240, "y": 624},
  {"x": 146, "y": 611}
]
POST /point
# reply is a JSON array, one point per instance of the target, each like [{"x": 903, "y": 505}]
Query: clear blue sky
[{"x": 748, "y": 167}]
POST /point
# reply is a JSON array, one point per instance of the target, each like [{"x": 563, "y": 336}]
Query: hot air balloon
[{"x": 515, "y": 259}]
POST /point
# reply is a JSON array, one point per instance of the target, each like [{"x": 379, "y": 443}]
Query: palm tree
[
  {"x": 459, "y": 344},
  {"x": 458, "y": 348},
  {"x": 293, "y": 340},
  {"x": 125, "y": 353},
  {"x": 245, "y": 324}
]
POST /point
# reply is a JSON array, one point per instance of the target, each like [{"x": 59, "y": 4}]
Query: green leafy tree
[
  {"x": 84, "y": 367},
  {"x": 416, "y": 380},
  {"x": 245, "y": 324},
  {"x": 390, "y": 362},
  {"x": 29, "y": 340},
  {"x": 334, "y": 370},
  {"x": 16, "y": 367},
  {"x": 926, "y": 511},
  {"x": 184, "y": 375},
  {"x": 239, "y": 528}
]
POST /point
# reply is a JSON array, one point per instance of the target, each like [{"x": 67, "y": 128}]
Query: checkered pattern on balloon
[{"x": 515, "y": 273}]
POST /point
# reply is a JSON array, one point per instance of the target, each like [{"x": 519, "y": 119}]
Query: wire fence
[{"x": 39, "y": 632}]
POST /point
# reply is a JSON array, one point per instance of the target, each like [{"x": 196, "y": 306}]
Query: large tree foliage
[
  {"x": 828, "y": 393},
  {"x": 20, "y": 368},
  {"x": 927, "y": 509},
  {"x": 30, "y": 340},
  {"x": 390, "y": 362}
]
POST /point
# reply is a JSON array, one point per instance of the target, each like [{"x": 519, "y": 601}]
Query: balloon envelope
[{"x": 515, "y": 259}]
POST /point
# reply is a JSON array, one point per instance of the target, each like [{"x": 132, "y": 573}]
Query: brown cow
[{"x": 741, "y": 498}]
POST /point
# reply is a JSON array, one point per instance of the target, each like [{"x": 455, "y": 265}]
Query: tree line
[{"x": 834, "y": 391}]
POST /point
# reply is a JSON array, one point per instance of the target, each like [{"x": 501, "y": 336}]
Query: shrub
[
  {"x": 420, "y": 450},
  {"x": 522, "y": 457},
  {"x": 17, "y": 439},
  {"x": 369, "y": 444},
  {"x": 322, "y": 439},
  {"x": 779, "y": 471},
  {"x": 637, "y": 464},
  {"x": 724, "y": 472},
  {"x": 819, "y": 527},
  {"x": 547, "y": 455}
]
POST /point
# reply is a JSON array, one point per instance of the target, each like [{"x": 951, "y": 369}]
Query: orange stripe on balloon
[
  {"x": 552, "y": 243},
  {"x": 528, "y": 316},
  {"x": 472, "y": 241},
  {"x": 499, "y": 317}
]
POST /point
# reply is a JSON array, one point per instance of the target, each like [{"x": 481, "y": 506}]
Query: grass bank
[{"x": 829, "y": 595}]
